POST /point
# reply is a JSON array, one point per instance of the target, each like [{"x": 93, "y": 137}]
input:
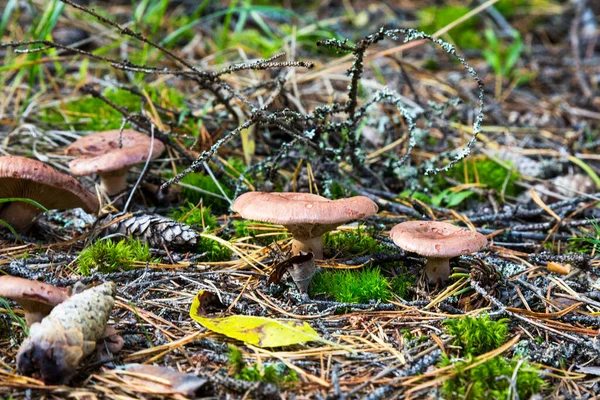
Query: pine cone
[
  {"x": 156, "y": 230},
  {"x": 56, "y": 346}
]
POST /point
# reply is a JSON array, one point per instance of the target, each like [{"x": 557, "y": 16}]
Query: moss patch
[
  {"x": 275, "y": 373},
  {"x": 491, "y": 379},
  {"x": 110, "y": 256},
  {"x": 476, "y": 336},
  {"x": 354, "y": 241},
  {"x": 353, "y": 286}
]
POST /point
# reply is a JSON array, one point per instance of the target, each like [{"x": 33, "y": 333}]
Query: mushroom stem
[
  {"x": 437, "y": 269},
  {"x": 308, "y": 245},
  {"x": 19, "y": 215},
  {"x": 114, "y": 182}
]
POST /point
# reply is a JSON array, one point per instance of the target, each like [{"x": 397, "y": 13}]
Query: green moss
[
  {"x": 479, "y": 335},
  {"x": 168, "y": 97},
  {"x": 401, "y": 283},
  {"x": 275, "y": 373},
  {"x": 446, "y": 198},
  {"x": 431, "y": 64},
  {"x": 206, "y": 183},
  {"x": 352, "y": 286},
  {"x": 354, "y": 241},
  {"x": 491, "y": 379},
  {"x": 482, "y": 170},
  {"x": 335, "y": 190},
  {"x": 214, "y": 250},
  {"x": 257, "y": 41},
  {"x": 111, "y": 256},
  {"x": 241, "y": 228},
  {"x": 236, "y": 360}
]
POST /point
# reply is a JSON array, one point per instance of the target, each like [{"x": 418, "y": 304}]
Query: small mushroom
[
  {"x": 111, "y": 155},
  {"x": 438, "y": 242},
  {"x": 37, "y": 299},
  {"x": 306, "y": 216},
  {"x": 22, "y": 177}
]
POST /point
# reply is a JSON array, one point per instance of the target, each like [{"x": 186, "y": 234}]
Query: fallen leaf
[
  {"x": 208, "y": 301},
  {"x": 283, "y": 266},
  {"x": 163, "y": 379},
  {"x": 258, "y": 331}
]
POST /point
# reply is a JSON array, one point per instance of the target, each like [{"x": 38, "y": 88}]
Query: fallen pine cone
[
  {"x": 156, "y": 230},
  {"x": 56, "y": 346}
]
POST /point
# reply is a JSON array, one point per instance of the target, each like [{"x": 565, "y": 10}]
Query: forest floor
[{"x": 491, "y": 123}]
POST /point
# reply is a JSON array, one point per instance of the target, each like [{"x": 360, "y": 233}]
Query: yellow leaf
[
  {"x": 248, "y": 143},
  {"x": 247, "y": 135},
  {"x": 258, "y": 331}
]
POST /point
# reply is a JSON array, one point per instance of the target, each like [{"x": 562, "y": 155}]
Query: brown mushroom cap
[
  {"x": 436, "y": 239},
  {"x": 31, "y": 179},
  {"x": 36, "y": 298},
  {"x": 304, "y": 215},
  {"x": 99, "y": 153}
]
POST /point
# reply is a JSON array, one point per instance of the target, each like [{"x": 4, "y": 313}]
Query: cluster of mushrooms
[
  {"x": 109, "y": 154},
  {"x": 308, "y": 217},
  {"x": 60, "y": 339}
]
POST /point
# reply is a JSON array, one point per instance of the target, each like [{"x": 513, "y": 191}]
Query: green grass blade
[
  {"x": 10, "y": 228},
  {"x": 14, "y": 316},
  {"x": 587, "y": 169},
  {"x": 8, "y": 10},
  {"x": 32, "y": 202}
]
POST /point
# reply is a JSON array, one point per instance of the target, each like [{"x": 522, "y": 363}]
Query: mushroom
[
  {"x": 36, "y": 298},
  {"x": 22, "y": 177},
  {"x": 111, "y": 155},
  {"x": 307, "y": 217},
  {"x": 438, "y": 242}
]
